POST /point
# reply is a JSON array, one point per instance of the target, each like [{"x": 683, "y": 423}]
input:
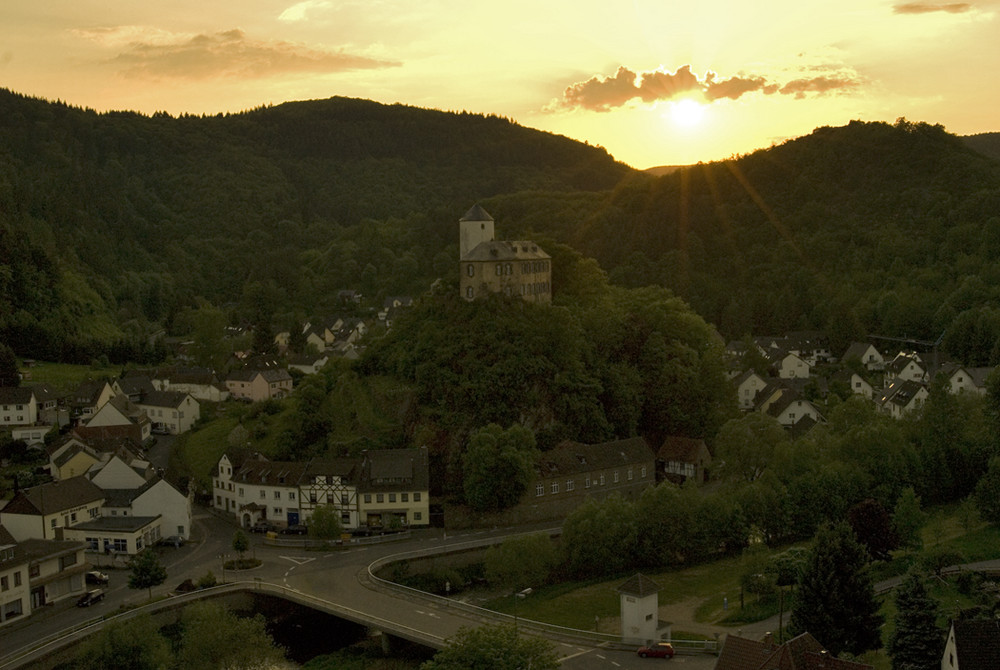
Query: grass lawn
[{"x": 64, "y": 376}]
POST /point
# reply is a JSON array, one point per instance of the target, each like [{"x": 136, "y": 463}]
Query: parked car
[
  {"x": 96, "y": 577},
  {"x": 658, "y": 650},
  {"x": 295, "y": 529},
  {"x": 263, "y": 527},
  {"x": 172, "y": 541},
  {"x": 90, "y": 597}
]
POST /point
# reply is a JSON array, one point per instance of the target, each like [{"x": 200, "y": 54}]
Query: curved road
[{"x": 339, "y": 576}]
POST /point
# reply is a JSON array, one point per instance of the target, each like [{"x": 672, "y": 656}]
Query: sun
[{"x": 687, "y": 112}]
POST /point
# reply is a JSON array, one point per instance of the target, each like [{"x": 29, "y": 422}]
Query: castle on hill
[{"x": 514, "y": 268}]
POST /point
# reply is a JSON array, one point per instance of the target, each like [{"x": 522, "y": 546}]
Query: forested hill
[
  {"x": 109, "y": 223},
  {"x": 891, "y": 229}
]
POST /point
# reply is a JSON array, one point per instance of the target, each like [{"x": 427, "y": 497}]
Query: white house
[
  {"x": 748, "y": 385},
  {"x": 906, "y": 366},
  {"x": 972, "y": 645},
  {"x": 866, "y": 353},
  {"x": 41, "y": 511},
  {"x": 172, "y": 412},
  {"x": 157, "y": 497},
  {"x": 968, "y": 380},
  {"x": 115, "y": 473},
  {"x": 901, "y": 397},
  {"x": 18, "y": 406}
]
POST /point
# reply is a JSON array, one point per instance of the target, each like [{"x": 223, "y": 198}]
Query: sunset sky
[{"x": 654, "y": 82}]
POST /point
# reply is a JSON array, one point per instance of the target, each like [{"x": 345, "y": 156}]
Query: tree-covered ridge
[
  {"x": 866, "y": 228},
  {"x": 273, "y": 209}
]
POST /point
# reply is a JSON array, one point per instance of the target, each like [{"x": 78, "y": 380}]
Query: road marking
[
  {"x": 430, "y": 614},
  {"x": 616, "y": 664},
  {"x": 299, "y": 560}
]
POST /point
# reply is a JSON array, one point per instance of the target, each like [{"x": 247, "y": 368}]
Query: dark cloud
[
  {"x": 602, "y": 94},
  {"x": 927, "y": 8},
  {"x": 734, "y": 87},
  {"x": 659, "y": 85},
  {"x": 231, "y": 54},
  {"x": 823, "y": 84}
]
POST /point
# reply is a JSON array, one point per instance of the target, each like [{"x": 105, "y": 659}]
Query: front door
[
  {"x": 37, "y": 597},
  {"x": 293, "y": 518}
]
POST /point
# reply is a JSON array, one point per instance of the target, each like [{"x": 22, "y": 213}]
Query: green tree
[
  {"x": 241, "y": 542},
  {"x": 209, "y": 633},
  {"x": 9, "y": 373},
  {"x": 324, "y": 524},
  {"x": 836, "y": 600},
  {"x": 987, "y": 494},
  {"x": 916, "y": 643},
  {"x": 135, "y": 644},
  {"x": 494, "y": 648},
  {"x": 520, "y": 562},
  {"x": 908, "y": 518},
  {"x": 747, "y": 446},
  {"x": 600, "y": 537},
  {"x": 146, "y": 571},
  {"x": 873, "y": 528},
  {"x": 498, "y": 465}
]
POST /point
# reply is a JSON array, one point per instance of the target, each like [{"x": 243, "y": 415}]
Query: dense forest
[
  {"x": 110, "y": 224},
  {"x": 113, "y": 225}
]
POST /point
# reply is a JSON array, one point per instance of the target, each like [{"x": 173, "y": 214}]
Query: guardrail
[{"x": 564, "y": 633}]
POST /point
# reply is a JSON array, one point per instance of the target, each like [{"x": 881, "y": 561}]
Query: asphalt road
[{"x": 336, "y": 576}]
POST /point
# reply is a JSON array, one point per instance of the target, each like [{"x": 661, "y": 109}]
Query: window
[
  {"x": 17, "y": 578},
  {"x": 586, "y": 482},
  {"x": 34, "y": 570},
  {"x": 471, "y": 270},
  {"x": 291, "y": 495},
  {"x": 241, "y": 491},
  {"x": 615, "y": 476},
  {"x": 539, "y": 490},
  {"x": 277, "y": 495},
  {"x": 343, "y": 499},
  {"x": 12, "y": 609},
  {"x": 312, "y": 497},
  {"x": 601, "y": 481},
  {"x": 417, "y": 516},
  {"x": 379, "y": 497},
  {"x": 4, "y": 585},
  {"x": 499, "y": 269},
  {"x": 468, "y": 292},
  {"x": 630, "y": 474},
  {"x": 404, "y": 497},
  {"x": 642, "y": 471},
  {"x": 507, "y": 269},
  {"x": 66, "y": 561},
  {"x": 54, "y": 522},
  {"x": 570, "y": 484},
  {"x": 555, "y": 487},
  {"x": 263, "y": 493},
  {"x": 119, "y": 545},
  {"x": 278, "y": 511},
  {"x": 93, "y": 511},
  {"x": 218, "y": 500},
  {"x": 392, "y": 497},
  {"x": 416, "y": 497},
  {"x": 368, "y": 497}
]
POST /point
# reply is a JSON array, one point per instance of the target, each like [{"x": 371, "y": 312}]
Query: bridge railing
[{"x": 481, "y": 613}]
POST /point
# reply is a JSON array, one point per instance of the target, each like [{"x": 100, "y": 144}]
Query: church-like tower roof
[{"x": 476, "y": 213}]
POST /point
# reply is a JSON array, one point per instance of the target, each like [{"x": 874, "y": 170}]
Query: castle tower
[{"x": 473, "y": 229}]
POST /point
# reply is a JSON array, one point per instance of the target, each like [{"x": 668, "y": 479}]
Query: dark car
[
  {"x": 90, "y": 597},
  {"x": 96, "y": 577},
  {"x": 658, "y": 650},
  {"x": 295, "y": 529},
  {"x": 263, "y": 527}
]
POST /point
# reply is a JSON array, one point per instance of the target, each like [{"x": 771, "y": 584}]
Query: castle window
[
  {"x": 471, "y": 270},
  {"x": 468, "y": 292},
  {"x": 539, "y": 489},
  {"x": 499, "y": 269},
  {"x": 508, "y": 269}
]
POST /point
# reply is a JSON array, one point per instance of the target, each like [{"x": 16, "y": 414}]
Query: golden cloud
[
  {"x": 230, "y": 54},
  {"x": 603, "y": 94},
  {"x": 927, "y": 8}
]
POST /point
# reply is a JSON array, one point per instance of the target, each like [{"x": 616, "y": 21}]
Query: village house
[
  {"x": 866, "y": 354},
  {"x": 857, "y": 384},
  {"x": 573, "y": 472},
  {"x": 748, "y": 385},
  {"x": 134, "y": 386},
  {"x": 518, "y": 268},
  {"x": 35, "y": 573},
  {"x": 18, "y": 407},
  {"x": 681, "y": 459},
  {"x": 89, "y": 397},
  {"x": 394, "y": 488},
  {"x": 308, "y": 364},
  {"x": 963, "y": 379},
  {"x": 901, "y": 397},
  {"x": 972, "y": 645},
  {"x": 906, "y": 366},
  {"x": 170, "y": 412},
  {"x": 201, "y": 383},
  {"x": 118, "y": 417},
  {"x": 377, "y": 490},
  {"x": 259, "y": 385},
  {"x": 41, "y": 512}
]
